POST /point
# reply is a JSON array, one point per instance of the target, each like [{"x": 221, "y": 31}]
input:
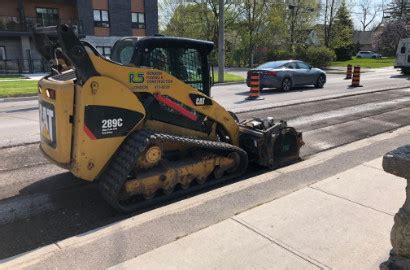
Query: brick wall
[
  {"x": 66, "y": 11},
  {"x": 120, "y": 17},
  {"x": 101, "y": 4},
  {"x": 85, "y": 15},
  {"x": 137, "y": 5},
  {"x": 138, "y": 32},
  {"x": 9, "y": 8},
  {"x": 151, "y": 17}
]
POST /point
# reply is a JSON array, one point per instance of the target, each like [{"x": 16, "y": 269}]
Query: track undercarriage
[{"x": 142, "y": 170}]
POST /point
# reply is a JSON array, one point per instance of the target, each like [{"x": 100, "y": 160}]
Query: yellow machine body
[
  {"x": 144, "y": 123},
  {"x": 86, "y": 156}
]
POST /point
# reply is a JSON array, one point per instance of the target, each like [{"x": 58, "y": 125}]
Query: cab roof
[{"x": 165, "y": 41}]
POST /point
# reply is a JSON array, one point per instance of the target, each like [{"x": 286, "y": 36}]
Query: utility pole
[{"x": 221, "y": 42}]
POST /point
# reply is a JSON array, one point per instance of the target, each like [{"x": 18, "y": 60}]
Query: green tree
[
  {"x": 193, "y": 21},
  {"x": 386, "y": 41},
  {"x": 199, "y": 19},
  {"x": 329, "y": 13},
  {"x": 342, "y": 41},
  {"x": 300, "y": 18},
  {"x": 398, "y": 10}
]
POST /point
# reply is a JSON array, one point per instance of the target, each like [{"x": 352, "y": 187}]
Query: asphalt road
[
  {"x": 41, "y": 204},
  {"x": 233, "y": 96},
  {"x": 19, "y": 120}
]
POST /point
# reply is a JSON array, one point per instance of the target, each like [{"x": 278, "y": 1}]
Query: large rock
[{"x": 397, "y": 162}]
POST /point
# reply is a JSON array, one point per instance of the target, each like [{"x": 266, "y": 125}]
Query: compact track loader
[{"x": 143, "y": 124}]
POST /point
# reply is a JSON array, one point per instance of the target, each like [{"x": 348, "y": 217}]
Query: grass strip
[
  {"x": 18, "y": 88},
  {"x": 366, "y": 63}
]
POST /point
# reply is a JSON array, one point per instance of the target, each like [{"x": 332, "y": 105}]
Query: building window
[
  {"x": 47, "y": 16},
  {"x": 138, "y": 20},
  {"x": 2, "y": 53},
  {"x": 101, "y": 18},
  {"x": 104, "y": 50}
]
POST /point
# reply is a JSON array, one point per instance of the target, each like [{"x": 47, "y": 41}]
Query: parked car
[
  {"x": 287, "y": 74},
  {"x": 368, "y": 54}
]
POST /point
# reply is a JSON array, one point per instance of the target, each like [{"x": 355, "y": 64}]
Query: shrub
[
  {"x": 301, "y": 53},
  {"x": 319, "y": 56},
  {"x": 344, "y": 53},
  {"x": 276, "y": 55}
]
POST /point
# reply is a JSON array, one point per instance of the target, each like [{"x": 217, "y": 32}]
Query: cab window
[
  {"x": 157, "y": 58},
  {"x": 123, "y": 51},
  {"x": 182, "y": 63}
]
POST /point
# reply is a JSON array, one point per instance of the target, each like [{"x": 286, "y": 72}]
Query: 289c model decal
[
  {"x": 112, "y": 123},
  {"x": 106, "y": 122}
]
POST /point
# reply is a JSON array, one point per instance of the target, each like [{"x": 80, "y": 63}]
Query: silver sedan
[{"x": 287, "y": 74}]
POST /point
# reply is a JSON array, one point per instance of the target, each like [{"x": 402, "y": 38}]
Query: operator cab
[{"x": 183, "y": 58}]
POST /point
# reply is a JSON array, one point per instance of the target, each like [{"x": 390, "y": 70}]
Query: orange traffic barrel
[
  {"x": 356, "y": 77},
  {"x": 255, "y": 87},
  {"x": 348, "y": 72}
]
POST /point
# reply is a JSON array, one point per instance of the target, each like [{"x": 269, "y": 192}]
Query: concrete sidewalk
[{"x": 342, "y": 222}]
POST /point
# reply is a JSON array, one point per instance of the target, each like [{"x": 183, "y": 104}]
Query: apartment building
[{"x": 101, "y": 22}]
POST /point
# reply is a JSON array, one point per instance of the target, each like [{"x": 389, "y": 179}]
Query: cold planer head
[{"x": 143, "y": 123}]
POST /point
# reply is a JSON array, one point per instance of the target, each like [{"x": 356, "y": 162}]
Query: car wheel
[
  {"x": 358, "y": 57},
  {"x": 374, "y": 57},
  {"x": 320, "y": 81},
  {"x": 286, "y": 85}
]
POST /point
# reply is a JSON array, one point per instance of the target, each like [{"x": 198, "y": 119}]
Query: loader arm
[{"x": 59, "y": 43}]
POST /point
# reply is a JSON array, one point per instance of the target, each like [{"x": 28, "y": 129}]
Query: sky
[{"x": 354, "y": 9}]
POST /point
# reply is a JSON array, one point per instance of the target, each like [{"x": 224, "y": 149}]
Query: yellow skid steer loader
[{"x": 143, "y": 123}]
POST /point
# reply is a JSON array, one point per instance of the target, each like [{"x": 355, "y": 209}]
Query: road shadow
[
  {"x": 400, "y": 76},
  {"x": 69, "y": 206},
  {"x": 277, "y": 91},
  {"x": 77, "y": 208}
]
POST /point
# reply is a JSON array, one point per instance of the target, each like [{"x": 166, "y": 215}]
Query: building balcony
[{"x": 16, "y": 25}]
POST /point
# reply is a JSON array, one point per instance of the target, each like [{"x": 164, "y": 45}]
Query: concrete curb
[
  {"x": 310, "y": 100},
  {"x": 16, "y": 99},
  {"x": 27, "y": 259}
]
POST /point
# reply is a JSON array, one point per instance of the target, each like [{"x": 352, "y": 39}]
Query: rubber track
[{"x": 115, "y": 175}]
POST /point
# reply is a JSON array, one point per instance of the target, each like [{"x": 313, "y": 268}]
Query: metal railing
[
  {"x": 20, "y": 66},
  {"x": 15, "y": 24}
]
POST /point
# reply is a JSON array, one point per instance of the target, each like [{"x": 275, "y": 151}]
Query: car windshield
[{"x": 275, "y": 64}]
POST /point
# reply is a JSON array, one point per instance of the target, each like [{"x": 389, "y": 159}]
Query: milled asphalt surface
[{"x": 64, "y": 206}]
